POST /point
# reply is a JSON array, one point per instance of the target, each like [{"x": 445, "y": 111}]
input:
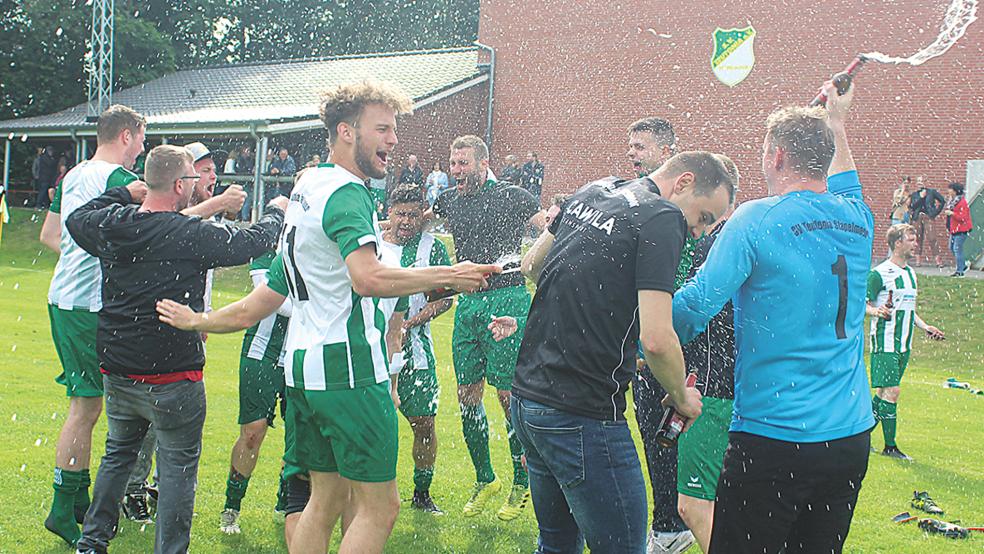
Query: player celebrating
[
  {"x": 487, "y": 220},
  {"x": 337, "y": 376},
  {"x": 418, "y": 388},
  {"x": 892, "y": 307},
  {"x": 74, "y": 301},
  {"x": 794, "y": 264}
]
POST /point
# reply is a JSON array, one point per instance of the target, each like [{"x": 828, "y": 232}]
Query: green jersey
[{"x": 893, "y": 334}]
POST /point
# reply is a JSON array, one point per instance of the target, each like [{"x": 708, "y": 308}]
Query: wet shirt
[
  {"x": 711, "y": 355},
  {"x": 488, "y": 224},
  {"x": 149, "y": 256},
  {"x": 795, "y": 267},
  {"x": 613, "y": 238}
]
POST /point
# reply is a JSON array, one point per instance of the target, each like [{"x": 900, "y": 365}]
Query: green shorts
[
  {"x": 700, "y": 451},
  {"x": 261, "y": 382},
  {"x": 349, "y": 431},
  {"x": 74, "y": 333},
  {"x": 419, "y": 392},
  {"x": 476, "y": 354},
  {"x": 887, "y": 368}
]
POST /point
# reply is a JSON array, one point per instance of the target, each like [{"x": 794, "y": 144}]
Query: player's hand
[
  {"x": 178, "y": 315},
  {"x": 233, "y": 199},
  {"x": 934, "y": 333},
  {"x": 280, "y": 202},
  {"x": 551, "y": 214},
  {"x": 690, "y": 406},
  {"x": 503, "y": 327},
  {"x": 395, "y": 396},
  {"x": 883, "y": 312},
  {"x": 838, "y": 105},
  {"x": 138, "y": 191},
  {"x": 469, "y": 277}
]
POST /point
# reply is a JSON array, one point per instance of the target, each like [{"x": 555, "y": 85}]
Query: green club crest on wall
[{"x": 733, "y": 56}]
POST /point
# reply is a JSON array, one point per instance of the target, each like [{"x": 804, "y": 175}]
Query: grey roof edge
[{"x": 368, "y": 55}]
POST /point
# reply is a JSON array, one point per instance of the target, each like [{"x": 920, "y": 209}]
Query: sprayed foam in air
[{"x": 959, "y": 16}]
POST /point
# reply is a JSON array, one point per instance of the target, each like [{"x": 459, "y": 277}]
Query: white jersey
[
  {"x": 425, "y": 250},
  {"x": 77, "y": 281},
  {"x": 335, "y": 339},
  {"x": 894, "y": 334}
]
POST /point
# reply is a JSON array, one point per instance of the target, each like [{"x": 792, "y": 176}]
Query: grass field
[{"x": 942, "y": 429}]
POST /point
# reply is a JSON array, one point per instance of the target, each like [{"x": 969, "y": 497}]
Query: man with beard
[
  {"x": 153, "y": 373},
  {"x": 487, "y": 220},
  {"x": 338, "y": 384},
  {"x": 418, "y": 387},
  {"x": 652, "y": 141}
]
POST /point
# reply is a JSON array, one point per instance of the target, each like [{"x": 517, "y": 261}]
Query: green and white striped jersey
[
  {"x": 894, "y": 334},
  {"x": 336, "y": 338},
  {"x": 265, "y": 340},
  {"x": 77, "y": 281},
  {"x": 424, "y": 250}
]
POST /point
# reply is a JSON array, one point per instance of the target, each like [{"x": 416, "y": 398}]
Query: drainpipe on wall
[{"x": 488, "y": 108}]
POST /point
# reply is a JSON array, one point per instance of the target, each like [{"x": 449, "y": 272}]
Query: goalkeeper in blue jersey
[{"x": 794, "y": 265}]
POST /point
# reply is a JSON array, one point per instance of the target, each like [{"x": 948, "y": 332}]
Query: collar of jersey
[{"x": 326, "y": 164}]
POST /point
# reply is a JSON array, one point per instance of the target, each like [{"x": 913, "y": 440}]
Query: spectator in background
[
  {"x": 958, "y": 224},
  {"x": 245, "y": 161},
  {"x": 437, "y": 182},
  {"x": 532, "y": 176},
  {"x": 377, "y": 189},
  {"x": 412, "y": 173},
  {"x": 511, "y": 172},
  {"x": 62, "y": 170},
  {"x": 36, "y": 171},
  {"x": 47, "y": 174},
  {"x": 924, "y": 205},
  {"x": 900, "y": 202},
  {"x": 283, "y": 166},
  {"x": 230, "y": 163},
  {"x": 314, "y": 161}
]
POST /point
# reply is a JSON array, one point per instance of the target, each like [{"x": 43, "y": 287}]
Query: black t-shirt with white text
[
  {"x": 613, "y": 238},
  {"x": 488, "y": 224}
]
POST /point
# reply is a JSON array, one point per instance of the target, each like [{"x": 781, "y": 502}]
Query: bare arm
[
  {"x": 429, "y": 312},
  {"x": 51, "y": 232},
  {"x": 933, "y": 332},
  {"x": 882, "y": 312},
  {"x": 661, "y": 349},
  {"x": 237, "y": 316},
  {"x": 533, "y": 260},
  {"x": 370, "y": 278},
  {"x": 838, "y": 107},
  {"x": 229, "y": 201}
]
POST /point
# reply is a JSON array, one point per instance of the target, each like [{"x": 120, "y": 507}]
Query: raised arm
[
  {"x": 219, "y": 245},
  {"x": 230, "y": 201},
  {"x": 83, "y": 223},
  {"x": 838, "y": 107}
]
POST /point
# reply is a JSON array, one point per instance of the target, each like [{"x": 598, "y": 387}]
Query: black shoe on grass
[
  {"x": 422, "y": 501},
  {"x": 894, "y": 452}
]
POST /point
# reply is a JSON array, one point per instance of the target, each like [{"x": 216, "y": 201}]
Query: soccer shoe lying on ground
[
  {"x": 922, "y": 501},
  {"x": 944, "y": 528},
  {"x": 669, "y": 542}
]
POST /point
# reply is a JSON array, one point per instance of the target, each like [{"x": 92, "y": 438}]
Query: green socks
[
  {"x": 61, "y": 519},
  {"x": 235, "y": 489},
  {"x": 520, "y": 477},
  {"x": 422, "y": 479},
  {"x": 82, "y": 497},
  {"x": 885, "y": 413},
  {"x": 476, "y": 429}
]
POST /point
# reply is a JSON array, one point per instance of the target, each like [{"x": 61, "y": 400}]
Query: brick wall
[
  {"x": 429, "y": 131},
  {"x": 571, "y": 76}
]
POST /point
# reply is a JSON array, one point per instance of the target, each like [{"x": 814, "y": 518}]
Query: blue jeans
[
  {"x": 177, "y": 412},
  {"x": 956, "y": 246},
  {"x": 585, "y": 480}
]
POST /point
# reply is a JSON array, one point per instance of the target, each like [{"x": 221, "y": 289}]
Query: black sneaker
[
  {"x": 894, "y": 452},
  {"x": 135, "y": 508},
  {"x": 422, "y": 501}
]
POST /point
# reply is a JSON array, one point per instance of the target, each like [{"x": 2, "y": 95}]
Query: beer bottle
[
  {"x": 672, "y": 423},
  {"x": 842, "y": 80}
]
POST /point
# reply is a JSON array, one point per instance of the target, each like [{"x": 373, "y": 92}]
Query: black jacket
[
  {"x": 148, "y": 256},
  {"x": 931, "y": 205}
]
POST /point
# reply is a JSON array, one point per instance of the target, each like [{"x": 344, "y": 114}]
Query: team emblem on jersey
[{"x": 733, "y": 56}]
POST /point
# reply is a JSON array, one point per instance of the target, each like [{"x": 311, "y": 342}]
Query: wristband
[{"x": 396, "y": 365}]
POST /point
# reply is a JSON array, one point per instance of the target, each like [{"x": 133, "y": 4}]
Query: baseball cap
[{"x": 198, "y": 151}]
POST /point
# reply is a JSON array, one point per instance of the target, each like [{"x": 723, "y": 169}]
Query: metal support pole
[
  {"x": 259, "y": 158},
  {"x": 6, "y": 165},
  {"x": 85, "y": 149}
]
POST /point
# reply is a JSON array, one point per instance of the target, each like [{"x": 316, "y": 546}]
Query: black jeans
[
  {"x": 177, "y": 411},
  {"x": 777, "y": 496},
  {"x": 647, "y": 394}
]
